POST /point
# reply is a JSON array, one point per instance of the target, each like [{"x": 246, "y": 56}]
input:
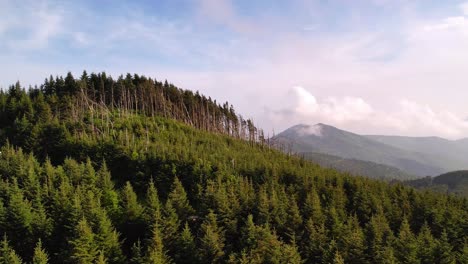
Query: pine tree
[
  {"x": 186, "y": 252},
  {"x": 330, "y": 252},
  {"x": 294, "y": 226},
  {"x": 353, "y": 240},
  {"x": 110, "y": 198},
  {"x": 443, "y": 251},
  {"x": 40, "y": 255},
  {"x": 153, "y": 208},
  {"x": 338, "y": 259},
  {"x": 101, "y": 259},
  {"x": 84, "y": 245},
  {"x": 156, "y": 252},
  {"x": 212, "y": 240},
  {"x": 426, "y": 245},
  {"x": 463, "y": 255},
  {"x": 315, "y": 241},
  {"x": 7, "y": 254},
  {"x": 19, "y": 220},
  {"x": 290, "y": 254},
  {"x": 137, "y": 256},
  {"x": 108, "y": 239},
  {"x": 170, "y": 227},
  {"x": 379, "y": 239},
  {"x": 406, "y": 247},
  {"x": 179, "y": 201},
  {"x": 312, "y": 208},
  {"x": 131, "y": 209}
]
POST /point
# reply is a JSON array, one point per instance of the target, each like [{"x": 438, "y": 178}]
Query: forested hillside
[
  {"x": 455, "y": 182},
  {"x": 358, "y": 167},
  {"x": 96, "y": 170}
]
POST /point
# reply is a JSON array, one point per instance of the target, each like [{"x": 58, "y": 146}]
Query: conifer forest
[{"x": 135, "y": 170}]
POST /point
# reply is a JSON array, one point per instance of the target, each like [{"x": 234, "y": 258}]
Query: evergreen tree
[
  {"x": 186, "y": 252},
  {"x": 338, "y": 259},
  {"x": 170, "y": 227},
  {"x": 108, "y": 239},
  {"x": 101, "y": 259},
  {"x": 137, "y": 256},
  {"x": 426, "y": 245},
  {"x": 40, "y": 255},
  {"x": 7, "y": 254},
  {"x": 443, "y": 251},
  {"x": 156, "y": 252},
  {"x": 131, "y": 209},
  {"x": 153, "y": 209},
  {"x": 212, "y": 240},
  {"x": 463, "y": 255},
  {"x": 406, "y": 247},
  {"x": 353, "y": 240},
  {"x": 84, "y": 246},
  {"x": 179, "y": 201}
]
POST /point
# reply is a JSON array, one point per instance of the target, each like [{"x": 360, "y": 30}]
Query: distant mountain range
[
  {"x": 359, "y": 167},
  {"x": 418, "y": 156},
  {"x": 453, "y": 182}
]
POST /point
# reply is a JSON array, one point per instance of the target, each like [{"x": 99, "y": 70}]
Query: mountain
[
  {"x": 454, "y": 153},
  {"x": 321, "y": 138},
  {"x": 358, "y": 167},
  {"x": 133, "y": 170},
  {"x": 453, "y": 182}
]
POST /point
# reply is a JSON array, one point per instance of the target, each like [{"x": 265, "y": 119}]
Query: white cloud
[
  {"x": 457, "y": 22},
  {"x": 333, "y": 109},
  {"x": 464, "y": 8},
  {"x": 33, "y": 23},
  {"x": 408, "y": 117}
]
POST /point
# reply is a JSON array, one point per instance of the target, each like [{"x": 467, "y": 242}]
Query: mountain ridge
[
  {"x": 455, "y": 182},
  {"x": 333, "y": 141}
]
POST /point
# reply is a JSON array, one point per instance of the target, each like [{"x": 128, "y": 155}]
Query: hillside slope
[
  {"x": 358, "y": 167},
  {"x": 453, "y": 182},
  {"x": 129, "y": 180}
]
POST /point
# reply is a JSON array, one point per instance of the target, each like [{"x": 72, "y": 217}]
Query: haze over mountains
[{"x": 419, "y": 156}]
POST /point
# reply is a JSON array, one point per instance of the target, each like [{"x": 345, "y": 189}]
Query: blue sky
[{"x": 370, "y": 66}]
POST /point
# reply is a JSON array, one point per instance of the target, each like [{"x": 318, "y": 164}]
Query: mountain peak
[{"x": 308, "y": 130}]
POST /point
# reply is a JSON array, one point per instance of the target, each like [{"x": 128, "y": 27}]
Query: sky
[{"x": 395, "y": 67}]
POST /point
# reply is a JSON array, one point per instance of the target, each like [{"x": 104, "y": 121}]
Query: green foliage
[
  {"x": 212, "y": 240},
  {"x": 40, "y": 255},
  {"x": 128, "y": 181},
  {"x": 156, "y": 251},
  {"x": 84, "y": 246},
  {"x": 7, "y": 254}
]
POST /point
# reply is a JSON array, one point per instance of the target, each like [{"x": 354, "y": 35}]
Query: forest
[{"x": 134, "y": 170}]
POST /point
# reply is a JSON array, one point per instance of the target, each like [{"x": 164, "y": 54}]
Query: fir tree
[
  {"x": 186, "y": 252},
  {"x": 406, "y": 245},
  {"x": 212, "y": 240},
  {"x": 40, "y": 255},
  {"x": 84, "y": 245},
  {"x": 156, "y": 252},
  {"x": 179, "y": 201},
  {"x": 443, "y": 251},
  {"x": 7, "y": 254},
  {"x": 426, "y": 244},
  {"x": 137, "y": 256}
]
